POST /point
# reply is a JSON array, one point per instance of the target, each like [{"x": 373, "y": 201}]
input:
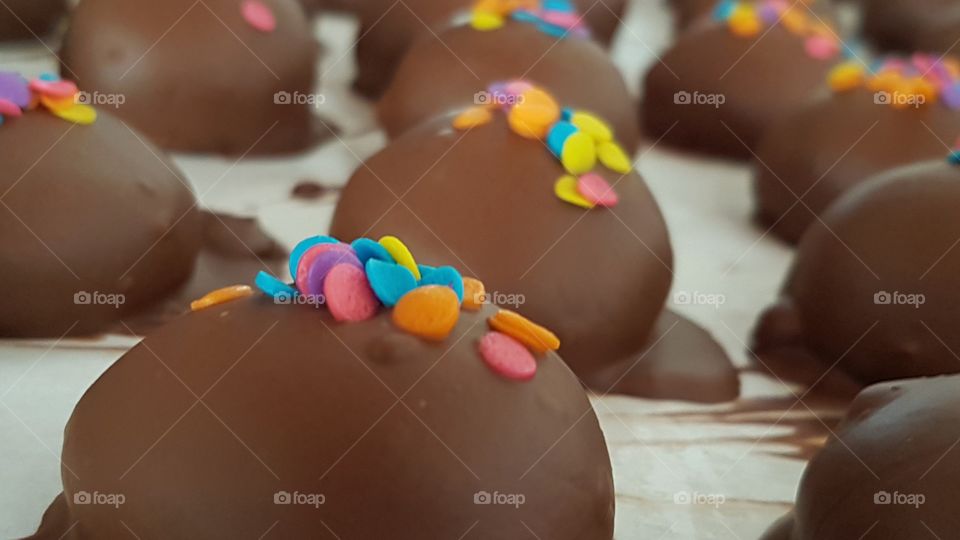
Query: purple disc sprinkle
[{"x": 14, "y": 88}]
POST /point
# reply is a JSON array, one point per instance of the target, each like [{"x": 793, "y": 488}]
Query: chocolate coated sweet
[
  {"x": 255, "y": 417},
  {"x": 445, "y": 72},
  {"x": 388, "y": 29},
  {"x": 912, "y": 25},
  {"x": 598, "y": 278},
  {"x": 891, "y": 472},
  {"x": 715, "y": 92},
  {"x": 873, "y": 290},
  {"x": 27, "y": 19},
  {"x": 198, "y": 77},
  {"x": 807, "y": 160},
  {"x": 89, "y": 214}
]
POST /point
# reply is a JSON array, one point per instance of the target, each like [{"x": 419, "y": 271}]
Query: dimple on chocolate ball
[
  {"x": 387, "y": 30},
  {"x": 29, "y": 19},
  {"x": 352, "y": 415},
  {"x": 722, "y": 84},
  {"x": 573, "y": 239},
  {"x": 891, "y": 468},
  {"x": 907, "y": 26},
  {"x": 226, "y": 76},
  {"x": 903, "y": 111},
  {"x": 451, "y": 70},
  {"x": 94, "y": 223},
  {"x": 873, "y": 289}
]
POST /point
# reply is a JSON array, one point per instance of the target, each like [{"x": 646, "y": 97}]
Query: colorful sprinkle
[
  {"x": 471, "y": 118},
  {"x": 401, "y": 255},
  {"x": 847, "y": 76},
  {"x": 9, "y": 108},
  {"x": 474, "y": 294},
  {"x": 446, "y": 276},
  {"x": 613, "y": 157},
  {"x": 221, "y": 296},
  {"x": 54, "y": 89},
  {"x": 14, "y": 88},
  {"x": 258, "y": 15},
  {"x": 507, "y": 357},
  {"x": 273, "y": 287},
  {"x": 566, "y": 190},
  {"x": 486, "y": 21},
  {"x": 302, "y": 248},
  {"x": 822, "y": 47},
  {"x": 558, "y": 135},
  {"x": 597, "y": 191},
  {"x": 531, "y": 334},
  {"x": 579, "y": 153},
  {"x": 367, "y": 249},
  {"x": 534, "y": 114},
  {"x": 592, "y": 126},
  {"x": 304, "y": 279},
  {"x": 745, "y": 22},
  {"x": 348, "y": 294},
  {"x": 429, "y": 312},
  {"x": 389, "y": 281}
]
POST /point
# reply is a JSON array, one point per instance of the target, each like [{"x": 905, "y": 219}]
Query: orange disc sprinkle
[
  {"x": 472, "y": 117},
  {"x": 533, "y": 115},
  {"x": 525, "y": 331},
  {"x": 221, "y": 296},
  {"x": 429, "y": 312},
  {"x": 473, "y": 293}
]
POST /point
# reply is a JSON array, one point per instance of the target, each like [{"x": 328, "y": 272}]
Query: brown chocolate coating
[
  {"x": 598, "y": 278},
  {"x": 198, "y": 77},
  {"x": 443, "y": 73},
  {"x": 388, "y": 30},
  {"x": 890, "y": 473},
  {"x": 688, "y": 12},
  {"x": 760, "y": 80},
  {"x": 28, "y": 19},
  {"x": 912, "y": 25},
  {"x": 86, "y": 211},
  {"x": 873, "y": 291},
  {"x": 201, "y": 425},
  {"x": 819, "y": 153}
]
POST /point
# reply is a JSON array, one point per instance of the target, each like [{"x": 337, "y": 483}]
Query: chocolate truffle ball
[
  {"x": 447, "y": 71},
  {"x": 387, "y": 31},
  {"x": 912, "y": 25},
  {"x": 217, "y": 76},
  {"x": 258, "y": 417},
  {"x": 891, "y": 471},
  {"x": 486, "y": 196},
  {"x": 28, "y": 19},
  {"x": 873, "y": 290},
  {"x": 808, "y": 159},
  {"x": 722, "y": 84},
  {"x": 95, "y": 224}
]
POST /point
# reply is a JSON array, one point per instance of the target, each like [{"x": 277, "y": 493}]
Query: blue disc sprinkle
[
  {"x": 389, "y": 281},
  {"x": 724, "y": 10},
  {"x": 302, "y": 248},
  {"x": 446, "y": 276},
  {"x": 558, "y": 135},
  {"x": 367, "y": 249},
  {"x": 954, "y": 158},
  {"x": 566, "y": 114},
  {"x": 273, "y": 287}
]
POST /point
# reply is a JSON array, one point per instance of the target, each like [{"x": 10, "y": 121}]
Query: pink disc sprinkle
[
  {"x": 507, "y": 356},
  {"x": 259, "y": 15},
  {"x": 54, "y": 89},
  {"x": 310, "y": 258},
  {"x": 348, "y": 293},
  {"x": 9, "y": 108},
  {"x": 597, "y": 190},
  {"x": 822, "y": 47},
  {"x": 561, "y": 18}
]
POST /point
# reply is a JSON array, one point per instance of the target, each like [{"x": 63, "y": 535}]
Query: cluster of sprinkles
[
  {"x": 355, "y": 281},
  {"x": 577, "y": 138},
  {"x": 749, "y": 18},
  {"x": 935, "y": 78},
  {"x": 557, "y": 18},
  {"x": 48, "y": 91}
]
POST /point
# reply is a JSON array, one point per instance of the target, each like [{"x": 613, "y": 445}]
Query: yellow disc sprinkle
[
  {"x": 847, "y": 76},
  {"x": 614, "y": 158},
  {"x": 745, "y": 22},
  {"x": 566, "y": 190},
  {"x": 472, "y": 117},
  {"x": 486, "y": 21},
  {"x": 593, "y": 126},
  {"x": 220, "y": 296},
  {"x": 579, "y": 154},
  {"x": 401, "y": 255}
]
